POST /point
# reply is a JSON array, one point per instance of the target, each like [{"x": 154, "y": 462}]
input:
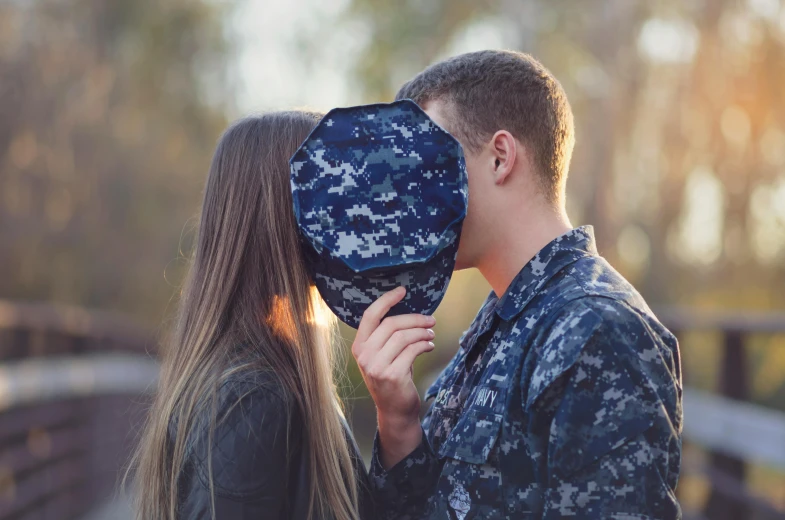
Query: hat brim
[{"x": 348, "y": 294}]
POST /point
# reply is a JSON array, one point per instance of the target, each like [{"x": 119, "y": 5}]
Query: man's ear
[{"x": 503, "y": 154}]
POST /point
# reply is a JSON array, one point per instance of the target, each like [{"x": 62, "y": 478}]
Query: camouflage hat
[{"x": 380, "y": 194}]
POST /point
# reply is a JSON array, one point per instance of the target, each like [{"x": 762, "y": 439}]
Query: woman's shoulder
[
  {"x": 263, "y": 385},
  {"x": 253, "y": 439}
]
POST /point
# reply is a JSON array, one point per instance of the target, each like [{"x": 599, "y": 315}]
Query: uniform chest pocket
[{"x": 473, "y": 437}]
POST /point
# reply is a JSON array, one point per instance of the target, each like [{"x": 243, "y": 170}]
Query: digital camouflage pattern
[
  {"x": 380, "y": 194},
  {"x": 564, "y": 400}
]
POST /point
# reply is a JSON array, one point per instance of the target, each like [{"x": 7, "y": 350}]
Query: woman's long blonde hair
[{"x": 248, "y": 304}]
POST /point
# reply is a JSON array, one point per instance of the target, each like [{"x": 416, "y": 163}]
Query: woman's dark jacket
[{"x": 259, "y": 458}]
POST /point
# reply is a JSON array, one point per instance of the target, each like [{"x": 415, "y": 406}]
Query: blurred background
[{"x": 109, "y": 113}]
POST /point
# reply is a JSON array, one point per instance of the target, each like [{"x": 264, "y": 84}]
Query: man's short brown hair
[{"x": 493, "y": 90}]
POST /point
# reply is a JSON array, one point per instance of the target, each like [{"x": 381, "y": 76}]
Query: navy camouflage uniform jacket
[{"x": 564, "y": 400}]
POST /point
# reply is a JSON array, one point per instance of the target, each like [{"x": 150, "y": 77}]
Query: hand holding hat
[{"x": 380, "y": 194}]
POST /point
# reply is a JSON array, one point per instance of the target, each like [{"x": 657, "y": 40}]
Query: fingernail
[
  {"x": 431, "y": 333},
  {"x": 431, "y": 319},
  {"x": 430, "y": 343}
]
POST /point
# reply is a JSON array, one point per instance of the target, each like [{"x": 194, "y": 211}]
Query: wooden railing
[
  {"x": 74, "y": 386},
  {"x": 724, "y": 422}
]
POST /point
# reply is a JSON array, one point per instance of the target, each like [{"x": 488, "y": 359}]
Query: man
[{"x": 564, "y": 398}]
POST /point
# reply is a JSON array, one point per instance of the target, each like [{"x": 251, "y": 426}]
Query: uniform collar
[{"x": 561, "y": 252}]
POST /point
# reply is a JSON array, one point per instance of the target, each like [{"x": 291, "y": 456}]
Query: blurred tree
[{"x": 105, "y": 138}]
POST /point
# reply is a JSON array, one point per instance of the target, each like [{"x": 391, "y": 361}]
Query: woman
[{"x": 247, "y": 423}]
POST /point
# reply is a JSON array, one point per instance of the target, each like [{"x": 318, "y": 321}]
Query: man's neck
[{"x": 524, "y": 236}]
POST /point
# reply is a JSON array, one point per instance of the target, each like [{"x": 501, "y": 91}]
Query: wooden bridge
[
  {"x": 735, "y": 432},
  {"x": 73, "y": 389},
  {"x": 74, "y": 386}
]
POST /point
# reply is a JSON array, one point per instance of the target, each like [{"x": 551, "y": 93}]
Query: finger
[
  {"x": 392, "y": 324},
  {"x": 376, "y": 312},
  {"x": 399, "y": 341},
  {"x": 405, "y": 360}
]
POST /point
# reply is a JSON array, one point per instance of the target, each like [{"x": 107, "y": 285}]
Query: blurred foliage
[{"x": 105, "y": 138}]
